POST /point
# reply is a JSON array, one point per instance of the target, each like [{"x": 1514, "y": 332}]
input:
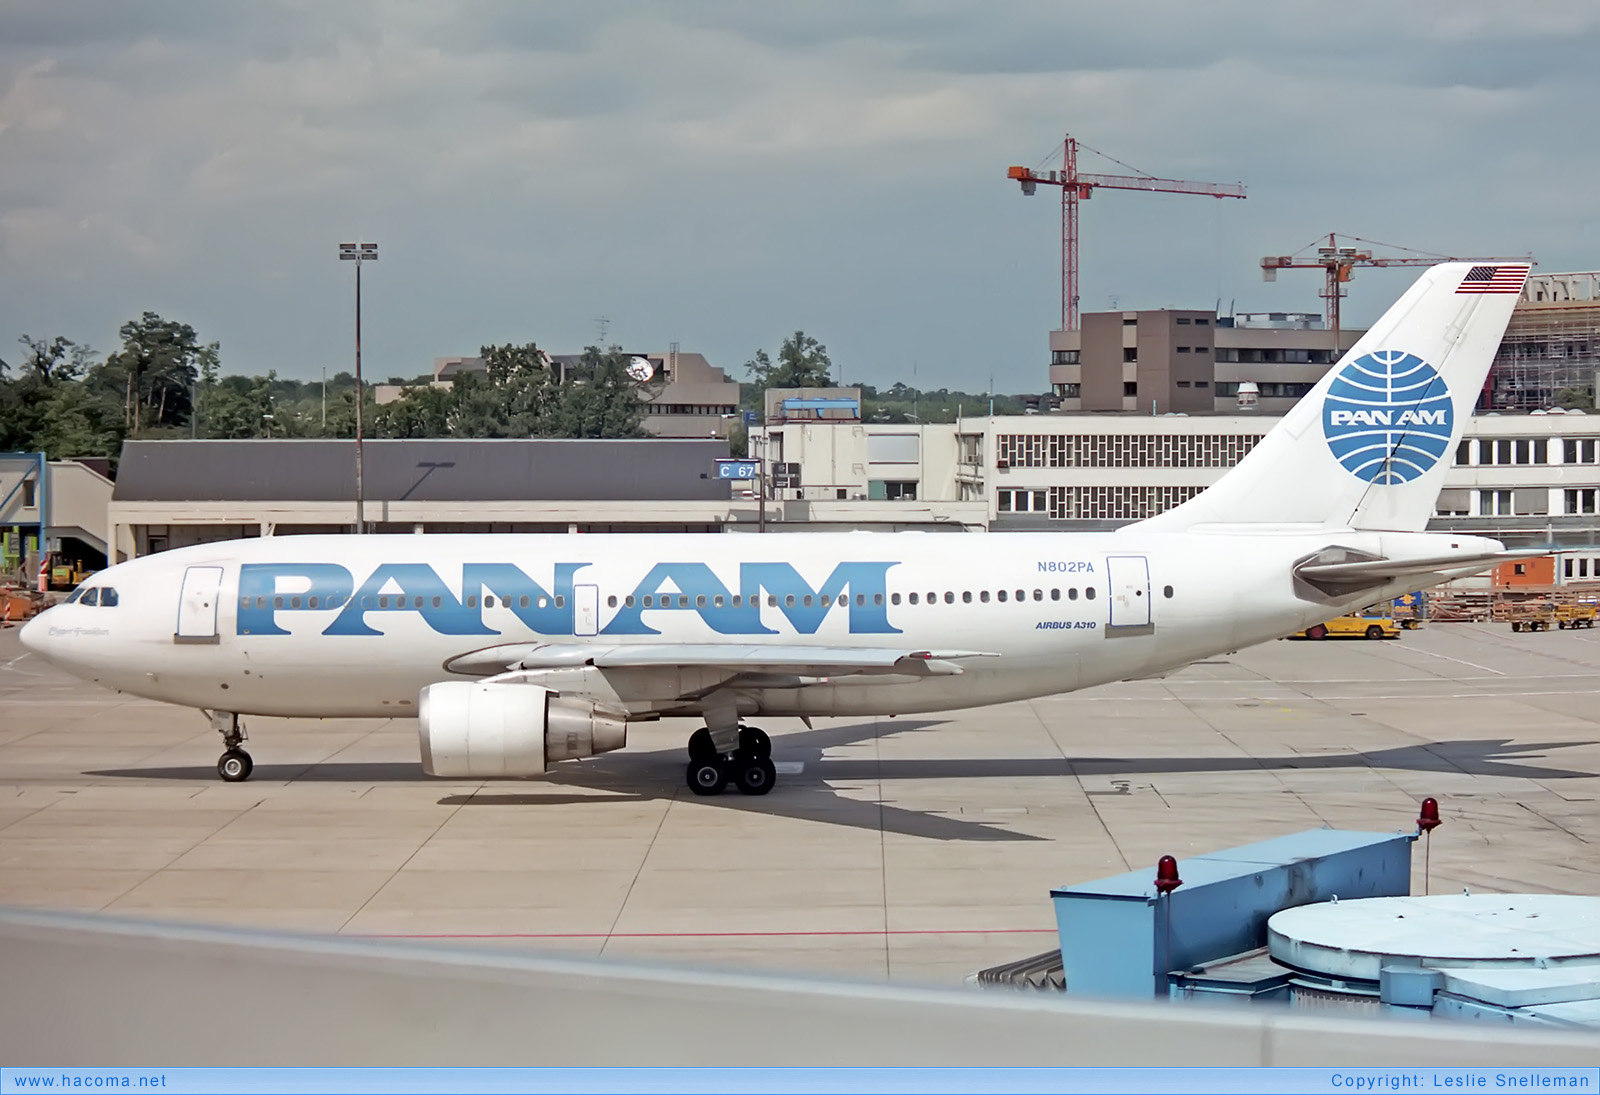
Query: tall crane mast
[
  {"x": 1076, "y": 187},
  {"x": 1338, "y": 263}
]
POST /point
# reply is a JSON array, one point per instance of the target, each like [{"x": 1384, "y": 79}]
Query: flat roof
[{"x": 433, "y": 470}]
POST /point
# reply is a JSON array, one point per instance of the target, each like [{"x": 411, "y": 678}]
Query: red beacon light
[
  {"x": 1167, "y": 878},
  {"x": 1428, "y": 820}
]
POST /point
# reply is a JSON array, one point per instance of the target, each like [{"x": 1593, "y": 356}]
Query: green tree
[
  {"x": 49, "y": 409},
  {"x": 601, "y": 399},
  {"x": 1578, "y": 398},
  {"x": 157, "y": 368},
  {"x": 803, "y": 362}
]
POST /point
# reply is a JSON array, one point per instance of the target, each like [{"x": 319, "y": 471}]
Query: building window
[
  {"x": 1202, "y": 383},
  {"x": 1581, "y": 500},
  {"x": 1130, "y": 354},
  {"x": 1021, "y": 501},
  {"x": 900, "y": 490},
  {"x": 1202, "y": 321},
  {"x": 1464, "y": 453},
  {"x": 28, "y": 499},
  {"x": 1130, "y": 321},
  {"x": 1578, "y": 451},
  {"x": 1183, "y": 321},
  {"x": 1184, "y": 384},
  {"x": 1202, "y": 349},
  {"x": 1069, "y": 390},
  {"x": 1183, "y": 349},
  {"x": 1064, "y": 357},
  {"x": 1494, "y": 503},
  {"x": 1130, "y": 387}
]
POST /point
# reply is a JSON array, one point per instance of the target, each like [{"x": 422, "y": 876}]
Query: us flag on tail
[{"x": 1494, "y": 279}]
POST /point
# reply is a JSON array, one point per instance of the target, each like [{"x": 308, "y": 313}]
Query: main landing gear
[
  {"x": 748, "y": 765},
  {"x": 235, "y": 765}
]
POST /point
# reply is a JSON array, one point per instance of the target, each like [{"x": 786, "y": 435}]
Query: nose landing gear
[
  {"x": 748, "y": 764},
  {"x": 235, "y": 765}
]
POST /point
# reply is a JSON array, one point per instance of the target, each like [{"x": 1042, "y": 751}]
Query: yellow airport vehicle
[
  {"x": 1354, "y": 626},
  {"x": 1575, "y": 614}
]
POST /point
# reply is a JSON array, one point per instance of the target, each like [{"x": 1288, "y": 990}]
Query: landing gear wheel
[
  {"x": 755, "y": 776},
  {"x": 235, "y": 766},
  {"x": 701, "y": 747},
  {"x": 754, "y": 743},
  {"x": 707, "y": 777},
  {"x": 1320, "y": 631},
  {"x": 1374, "y": 632}
]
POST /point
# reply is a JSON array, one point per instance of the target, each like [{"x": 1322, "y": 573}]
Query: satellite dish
[{"x": 640, "y": 369}]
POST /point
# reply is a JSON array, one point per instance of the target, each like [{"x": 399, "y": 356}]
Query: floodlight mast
[{"x": 359, "y": 253}]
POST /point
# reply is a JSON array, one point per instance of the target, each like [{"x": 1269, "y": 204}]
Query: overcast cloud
[{"x": 718, "y": 174}]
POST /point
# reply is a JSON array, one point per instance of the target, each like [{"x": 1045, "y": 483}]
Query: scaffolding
[{"x": 1551, "y": 345}]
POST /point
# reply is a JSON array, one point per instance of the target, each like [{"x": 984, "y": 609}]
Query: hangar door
[
  {"x": 197, "y": 605},
  {"x": 1129, "y": 576}
]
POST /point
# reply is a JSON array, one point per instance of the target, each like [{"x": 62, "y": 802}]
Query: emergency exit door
[
  {"x": 585, "y": 610},
  {"x": 1129, "y": 576},
  {"x": 197, "y": 605}
]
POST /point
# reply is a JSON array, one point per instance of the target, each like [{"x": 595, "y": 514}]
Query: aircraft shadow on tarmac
[{"x": 652, "y": 776}]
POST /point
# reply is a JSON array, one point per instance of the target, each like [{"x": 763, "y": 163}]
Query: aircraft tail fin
[{"x": 1368, "y": 447}]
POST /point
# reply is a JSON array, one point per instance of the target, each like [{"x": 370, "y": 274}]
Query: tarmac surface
[{"x": 915, "y": 849}]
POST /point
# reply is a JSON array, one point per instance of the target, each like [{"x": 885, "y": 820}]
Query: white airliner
[{"x": 517, "y": 651}]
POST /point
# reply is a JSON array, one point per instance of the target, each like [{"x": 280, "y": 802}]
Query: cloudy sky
[{"x": 718, "y": 174}]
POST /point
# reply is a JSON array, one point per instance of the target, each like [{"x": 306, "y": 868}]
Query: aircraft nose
[{"x": 33, "y": 635}]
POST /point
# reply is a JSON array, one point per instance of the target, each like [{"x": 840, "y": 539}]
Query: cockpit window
[
  {"x": 108, "y": 598},
  {"x": 90, "y": 597},
  {"x": 75, "y": 595}
]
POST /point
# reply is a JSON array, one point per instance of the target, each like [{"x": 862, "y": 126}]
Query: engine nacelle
[{"x": 472, "y": 729}]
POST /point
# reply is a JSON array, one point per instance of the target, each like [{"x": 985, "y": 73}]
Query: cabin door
[
  {"x": 1129, "y": 576},
  {"x": 585, "y": 610},
  {"x": 197, "y": 605}
]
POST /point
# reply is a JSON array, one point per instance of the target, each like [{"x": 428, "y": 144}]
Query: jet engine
[{"x": 473, "y": 729}]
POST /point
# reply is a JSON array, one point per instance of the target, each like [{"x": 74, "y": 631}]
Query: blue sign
[
  {"x": 1388, "y": 417},
  {"x": 752, "y": 417},
  {"x": 738, "y": 469}
]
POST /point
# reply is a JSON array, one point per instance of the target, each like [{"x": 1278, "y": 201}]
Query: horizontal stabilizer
[{"x": 1371, "y": 573}]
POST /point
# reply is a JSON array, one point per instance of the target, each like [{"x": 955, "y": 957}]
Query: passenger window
[
  {"x": 311, "y": 602},
  {"x": 738, "y": 599},
  {"x": 683, "y": 601},
  {"x": 472, "y": 601},
  {"x": 1089, "y": 593},
  {"x": 806, "y": 600},
  {"x": 488, "y": 601},
  {"x": 294, "y": 602},
  {"x": 244, "y": 602},
  {"x": 561, "y": 602},
  {"x": 700, "y": 601},
  {"x": 1022, "y": 595},
  {"x": 772, "y": 600},
  {"x": 366, "y": 602},
  {"x": 912, "y": 597},
  {"x": 523, "y": 601},
  {"x": 788, "y": 601},
  {"x": 544, "y": 602},
  {"x": 984, "y": 596},
  {"x": 1038, "y": 594},
  {"x": 1001, "y": 596},
  {"x": 90, "y": 597},
  {"x": 1072, "y": 594},
  {"x": 1055, "y": 595},
  {"x": 261, "y": 602},
  {"x": 108, "y": 597},
  {"x": 894, "y": 598},
  {"x": 949, "y": 598},
  {"x": 648, "y": 600},
  {"x": 277, "y": 602},
  {"x": 611, "y": 602},
  {"x": 717, "y": 601},
  {"x": 861, "y": 599},
  {"x": 1166, "y": 591},
  {"x": 627, "y": 601},
  {"x": 932, "y": 597},
  {"x": 877, "y": 598}
]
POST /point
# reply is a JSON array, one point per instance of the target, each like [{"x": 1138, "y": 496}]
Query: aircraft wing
[
  {"x": 744, "y": 658},
  {"x": 1365, "y": 573}
]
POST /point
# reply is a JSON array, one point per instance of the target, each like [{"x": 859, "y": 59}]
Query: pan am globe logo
[{"x": 1388, "y": 417}]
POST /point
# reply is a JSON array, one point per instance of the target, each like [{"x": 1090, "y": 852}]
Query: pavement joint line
[
  {"x": 883, "y": 854},
  {"x": 622, "y": 906},
  {"x": 414, "y": 852}
]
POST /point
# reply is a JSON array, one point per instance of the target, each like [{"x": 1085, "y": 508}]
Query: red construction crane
[
  {"x": 1339, "y": 263},
  {"x": 1076, "y": 187}
]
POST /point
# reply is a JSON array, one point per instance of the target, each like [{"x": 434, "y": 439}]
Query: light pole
[{"x": 359, "y": 253}]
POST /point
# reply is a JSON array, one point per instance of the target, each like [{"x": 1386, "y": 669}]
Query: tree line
[{"x": 163, "y": 381}]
